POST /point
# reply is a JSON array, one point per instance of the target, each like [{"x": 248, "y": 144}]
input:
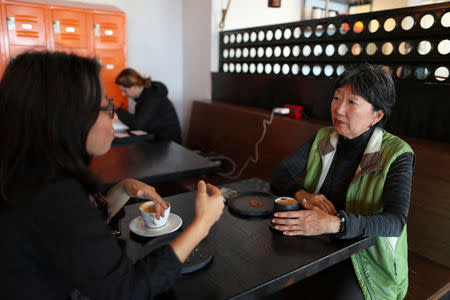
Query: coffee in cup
[
  {"x": 285, "y": 204},
  {"x": 148, "y": 213}
]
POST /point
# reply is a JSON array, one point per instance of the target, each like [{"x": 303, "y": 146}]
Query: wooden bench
[{"x": 233, "y": 130}]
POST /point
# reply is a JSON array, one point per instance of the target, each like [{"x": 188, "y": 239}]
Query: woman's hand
[
  {"x": 317, "y": 200},
  {"x": 312, "y": 221},
  {"x": 138, "y": 189},
  {"x": 208, "y": 208}
]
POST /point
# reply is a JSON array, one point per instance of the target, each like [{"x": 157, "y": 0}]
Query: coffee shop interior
[{"x": 252, "y": 81}]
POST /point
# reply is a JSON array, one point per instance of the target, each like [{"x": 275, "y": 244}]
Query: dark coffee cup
[{"x": 285, "y": 204}]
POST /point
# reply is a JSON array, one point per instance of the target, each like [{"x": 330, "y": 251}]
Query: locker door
[
  {"x": 26, "y": 25},
  {"x": 112, "y": 63},
  {"x": 70, "y": 29},
  {"x": 108, "y": 31},
  {"x": 113, "y": 91}
]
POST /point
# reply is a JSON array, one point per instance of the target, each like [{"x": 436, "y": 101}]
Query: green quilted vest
[{"x": 382, "y": 270}]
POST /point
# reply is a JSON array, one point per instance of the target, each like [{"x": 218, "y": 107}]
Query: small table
[
  {"x": 150, "y": 163},
  {"x": 250, "y": 260}
]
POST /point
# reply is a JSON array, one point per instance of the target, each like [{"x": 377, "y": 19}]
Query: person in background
[
  {"x": 154, "y": 112},
  {"x": 55, "y": 117},
  {"x": 357, "y": 184}
]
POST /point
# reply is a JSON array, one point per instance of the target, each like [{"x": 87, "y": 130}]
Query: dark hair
[
  {"x": 48, "y": 104},
  {"x": 373, "y": 84},
  {"x": 129, "y": 77}
]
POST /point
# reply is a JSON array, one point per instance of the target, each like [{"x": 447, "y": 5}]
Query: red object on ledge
[{"x": 296, "y": 111}]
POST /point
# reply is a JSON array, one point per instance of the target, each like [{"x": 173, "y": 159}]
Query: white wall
[{"x": 196, "y": 34}]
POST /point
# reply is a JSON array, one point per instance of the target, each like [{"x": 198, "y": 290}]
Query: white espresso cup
[{"x": 148, "y": 214}]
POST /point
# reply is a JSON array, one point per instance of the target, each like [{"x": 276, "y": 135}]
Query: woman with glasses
[
  {"x": 154, "y": 112},
  {"x": 54, "y": 117}
]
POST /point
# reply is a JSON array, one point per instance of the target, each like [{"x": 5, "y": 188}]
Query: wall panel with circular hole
[{"x": 411, "y": 43}]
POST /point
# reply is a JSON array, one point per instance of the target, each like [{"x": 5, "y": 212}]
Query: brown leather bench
[{"x": 233, "y": 130}]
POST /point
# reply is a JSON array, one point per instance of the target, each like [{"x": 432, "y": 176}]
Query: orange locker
[
  {"x": 112, "y": 63},
  {"x": 113, "y": 91},
  {"x": 70, "y": 29},
  {"x": 26, "y": 28},
  {"x": 108, "y": 31}
]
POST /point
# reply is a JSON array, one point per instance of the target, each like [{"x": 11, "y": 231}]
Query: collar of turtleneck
[{"x": 354, "y": 147}]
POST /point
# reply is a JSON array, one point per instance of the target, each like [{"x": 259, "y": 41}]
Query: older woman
[
  {"x": 55, "y": 117},
  {"x": 357, "y": 183}
]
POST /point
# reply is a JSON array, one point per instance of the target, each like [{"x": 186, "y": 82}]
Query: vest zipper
[{"x": 393, "y": 257}]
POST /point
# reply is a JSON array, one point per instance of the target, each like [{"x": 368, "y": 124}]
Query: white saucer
[{"x": 173, "y": 223}]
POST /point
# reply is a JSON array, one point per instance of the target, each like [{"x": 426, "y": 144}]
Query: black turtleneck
[{"x": 396, "y": 193}]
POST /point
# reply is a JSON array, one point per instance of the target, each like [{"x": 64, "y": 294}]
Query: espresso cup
[
  {"x": 285, "y": 204},
  {"x": 148, "y": 213}
]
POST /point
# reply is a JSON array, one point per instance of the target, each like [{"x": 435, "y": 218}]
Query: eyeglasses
[{"x": 110, "y": 108}]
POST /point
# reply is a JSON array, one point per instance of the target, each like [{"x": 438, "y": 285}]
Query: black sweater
[
  {"x": 396, "y": 193},
  {"x": 154, "y": 113},
  {"x": 54, "y": 241}
]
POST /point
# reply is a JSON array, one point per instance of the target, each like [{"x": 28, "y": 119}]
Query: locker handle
[
  {"x": 11, "y": 23},
  {"x": 57, "y": 27},
  {"x": 96, "y": 29}
]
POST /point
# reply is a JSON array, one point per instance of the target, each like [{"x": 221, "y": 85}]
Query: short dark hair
[
  {"x": 48, "y": 104},
  {"x": 373, "y": 84}
]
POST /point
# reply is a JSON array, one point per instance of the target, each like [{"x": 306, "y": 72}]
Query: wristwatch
[{"x": 342, "y": 225}]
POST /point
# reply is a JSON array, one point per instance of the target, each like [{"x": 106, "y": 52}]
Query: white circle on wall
[
  {"x": 444, "y": 47},
  {"x": 239, "y": 38},
  {"x": 268, "y": 68},
  {"x": 253, "y": 37},
  {"x": 441, "y": 74},
  {"x": 286, "y": 51},
  {"x": 252, "y": 68},
  {"x": 269, "y": 52},
  {"x": 297, "y": 32},
  {"x": 260, "y": 52},
  {"x": 246, "y": 37},
  {"x": 226, "y": 39},
  {"x": 296, "y": 50},
  {"x": 285, "y": 69},
  {"x": 252, "y": 52},
  {"x": 231, "y": 53},
  {"x": 238, "y": 52},
  {"x": 306, "y": 70},
  {"x": 278, "y": 34},
  {"x": 260, "y": 68},
  {"x": 238, "y": 68},
  {"x": 261, "y": 36},
  {"x": 277, "y": 51},
  {"x": 328, "y": 70},
  {"x": 245, "y": 52},
  {"x": 340, "y": 69},
  {"x": 232, "y": 38},
  {"x": 225, "y": 67},
  {"x": 231, "y": 67},
  {"x": 295, "y": 69},
  {"x": 276, "y": 68},
  {"x": 269, "y": 35},
  {"x": 225, "y": 53},
  {"x": 306, "y": 50},
  {"x": 317, "y": 70},
  {"x": 287, "y": 33},
  {"x": 245, "y": 68}
]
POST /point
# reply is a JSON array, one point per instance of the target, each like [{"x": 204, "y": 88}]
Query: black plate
[
  {"x": 240, "y": 203},
  {"x": 199, "y": 257}
]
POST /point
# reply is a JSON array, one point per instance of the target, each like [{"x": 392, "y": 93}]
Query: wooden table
[
  {"x": 150, "y": 163},
  {"x": 250, "y": 260}
]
